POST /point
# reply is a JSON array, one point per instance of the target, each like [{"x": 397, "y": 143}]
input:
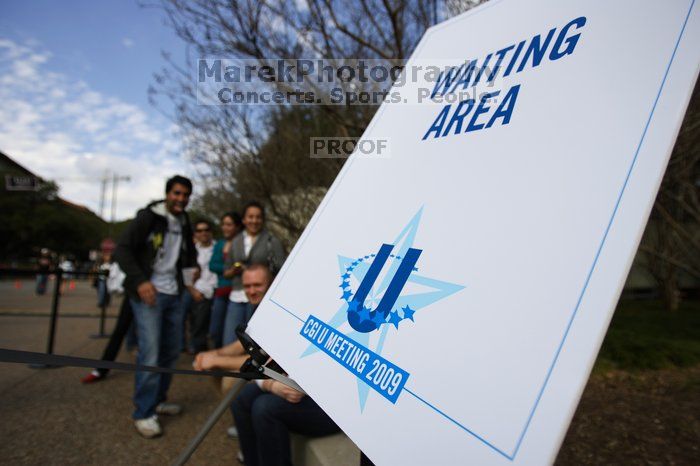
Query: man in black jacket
[{"x": 153, "y": 251}]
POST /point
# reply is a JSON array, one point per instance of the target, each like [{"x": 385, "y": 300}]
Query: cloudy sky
[{"x": 73, "y": 83}]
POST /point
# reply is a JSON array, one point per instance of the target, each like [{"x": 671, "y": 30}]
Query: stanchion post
[
  {"x": 54, "y": 310},
  {"x": 103, "y": 316},
  {"x": 103, "y": 311},
  {"x": 54, "y": 316},
  {"x": 103, "y": 303}
]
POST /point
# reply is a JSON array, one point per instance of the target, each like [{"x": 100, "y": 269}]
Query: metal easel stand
[
  {"x": 210, "y": 422},
  {"x": 257, "y": 366}
]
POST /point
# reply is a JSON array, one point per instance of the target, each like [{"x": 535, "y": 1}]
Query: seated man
[
  {"x": 256, "y": 279},
  {"x": 266, "y": 411}
]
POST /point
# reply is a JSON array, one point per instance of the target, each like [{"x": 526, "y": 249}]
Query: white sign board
[{"x": 445, "y": 304}]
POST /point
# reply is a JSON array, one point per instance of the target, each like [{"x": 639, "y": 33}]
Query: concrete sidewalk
[{"x": 48, "y": 417}]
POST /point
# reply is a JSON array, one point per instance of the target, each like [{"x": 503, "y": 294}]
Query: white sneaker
[
  {"x": 168, "y": 409},
  {"x": 148, "y": 427},
  {"x": 239, "y": 457},
  {"x": 232, "y": 432}
]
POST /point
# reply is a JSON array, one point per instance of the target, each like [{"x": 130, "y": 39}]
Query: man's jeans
[
  {"x": 41, "y": 280},
  {"x": 103, "y": 295},
  {"x": 218, "y": 317},
  {"x": 236, "y": 314},
  {"x": 186, "y": 304},
  {"x": 264, "y": 421},
  {"x": 199, "y": 324},
  {"x": 159, "y": 332}
]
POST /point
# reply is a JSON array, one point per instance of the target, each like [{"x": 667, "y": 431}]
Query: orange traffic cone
[
  {"x": 72, "y": 285},
  {"x": 18, "y": 285}
]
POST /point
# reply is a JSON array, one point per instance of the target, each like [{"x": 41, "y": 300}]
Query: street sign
[{"x": 21, "y": 183}]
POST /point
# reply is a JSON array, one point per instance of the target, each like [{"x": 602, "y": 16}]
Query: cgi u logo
[{"x": 379, "y": 315}]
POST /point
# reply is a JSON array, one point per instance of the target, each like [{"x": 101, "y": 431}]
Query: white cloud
[
  {"x": 128, "y": 43},
  {"x": 63, "y": 129}
]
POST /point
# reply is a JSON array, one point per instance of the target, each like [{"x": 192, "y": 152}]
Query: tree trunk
[{"x": 671, "y": 293}]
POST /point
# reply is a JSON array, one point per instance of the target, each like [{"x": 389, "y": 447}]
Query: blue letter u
[{"x": 392, "y": 292}]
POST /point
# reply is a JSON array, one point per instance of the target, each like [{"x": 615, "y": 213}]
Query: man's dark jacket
[{"x": 139, "y": 244}]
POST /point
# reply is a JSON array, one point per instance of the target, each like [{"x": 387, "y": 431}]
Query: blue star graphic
[
  {"x": 363, "y": 314},
  {"x": 346, "y": 295},
  {"x": 394, "y": 319},
  {"x": 379, "y": 318},
  {"x": 430, "y": 291}
]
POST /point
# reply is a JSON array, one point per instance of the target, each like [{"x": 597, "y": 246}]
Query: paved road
[
  {"x": 48, "y": 417},
  {"x": 77, "y": 299}
]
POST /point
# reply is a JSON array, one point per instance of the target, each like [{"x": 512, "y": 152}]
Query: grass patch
[{"x": 642, "y": 335}]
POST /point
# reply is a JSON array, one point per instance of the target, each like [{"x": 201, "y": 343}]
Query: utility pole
[
  {"x": 105, "y": 179},
  {"x": 115, "y": 182}
]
